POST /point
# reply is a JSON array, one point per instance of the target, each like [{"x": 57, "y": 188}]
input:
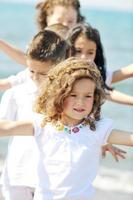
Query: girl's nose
[
  {"x": 35, "y": 77},
  {"x": 84, "y": 56},
  {"x": 79, "y": 101}
]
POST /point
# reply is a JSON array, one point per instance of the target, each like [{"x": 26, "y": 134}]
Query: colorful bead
[
  {"x": 59, "y": 127},
  {"x": 66, "y": 129},
  {"x": 75, "y": 129}
]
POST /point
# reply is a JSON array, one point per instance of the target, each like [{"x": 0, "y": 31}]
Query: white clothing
[
  {"x": 69, "y": 163},
  {"x": 19, "y": 78},
  {"x": 18, "y": 193},
  {"x": 109, "y": 76},
  {"x": 20, "y": 166}
]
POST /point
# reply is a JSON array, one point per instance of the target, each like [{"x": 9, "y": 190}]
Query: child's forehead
[
  {"x": 83, "y": 81},
  {"x": 82, "y": 36},
  {"x": 84, "y": 85}
]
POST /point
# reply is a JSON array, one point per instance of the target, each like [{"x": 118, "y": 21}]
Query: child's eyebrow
[{"x": 89, "y": 92}]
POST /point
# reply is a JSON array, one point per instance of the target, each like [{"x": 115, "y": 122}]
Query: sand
[
  {"x": 105, "y": 195},
  {"x": 110, "y": 195}
]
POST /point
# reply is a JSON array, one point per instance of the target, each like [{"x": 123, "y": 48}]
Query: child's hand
[{"x": 116, "y": 152}]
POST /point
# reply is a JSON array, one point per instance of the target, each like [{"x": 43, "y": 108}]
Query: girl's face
[
  {"x": 79, "y": 103},
  {"x": 85, "y": 48},
  {"x": 63, "y": 15},
  {"x": 38, "y": 70}
]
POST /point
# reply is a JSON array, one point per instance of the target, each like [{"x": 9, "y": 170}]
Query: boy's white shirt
[
  {"x": 20, "y": 166},
  {"x": 19, "y": 78},
  {"x": 69, "y": 163}
]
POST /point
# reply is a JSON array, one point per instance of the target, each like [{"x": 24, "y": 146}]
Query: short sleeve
[
  {"x": 109, "y": 76},
  {"x": 8, "y": 108},
  {"x": 37, "y": 119},
  {"x": 104, "y": 128},
  {"x": 20, "y": 78}
]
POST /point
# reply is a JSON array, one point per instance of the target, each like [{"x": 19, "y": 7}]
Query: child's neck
[{"x": 68, "y": 121}]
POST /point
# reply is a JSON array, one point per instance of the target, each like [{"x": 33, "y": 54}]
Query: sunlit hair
[
  {"x": 59, "y": 85},
  {"x": 48, "y": 46},
  {"x": 58, "y": 28},
  {"x": 91, "y": 34},
  {"x": 44, "y": 8}
]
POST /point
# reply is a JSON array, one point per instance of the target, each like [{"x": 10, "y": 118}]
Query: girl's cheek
[
  {"x": 90, "y": 102},
  {"x": 67, "y": 102},
  {"x": 41, "y": 79}
]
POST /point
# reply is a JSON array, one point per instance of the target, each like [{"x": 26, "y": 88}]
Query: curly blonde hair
[
  {"x": 45, "y": 7},
  {"x": 59, "y": 84}
]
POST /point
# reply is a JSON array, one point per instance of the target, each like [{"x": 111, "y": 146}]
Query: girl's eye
[
  {"x": 90, "y": 53},
  {"x": 43, "y": 74},
  {"x": 72, "y": 95},
  {"x": 88, "y": 96},
  {"x": 77, "y": 51},
  {"x": 31, "y": 71}
]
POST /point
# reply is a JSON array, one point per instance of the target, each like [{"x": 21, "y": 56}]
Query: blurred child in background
[{"x": 19, "y": 176}]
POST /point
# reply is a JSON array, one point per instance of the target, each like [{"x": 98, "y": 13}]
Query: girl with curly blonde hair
[
  {"x": 72, "y": 133},
  {"x": 60, "y": 84}
]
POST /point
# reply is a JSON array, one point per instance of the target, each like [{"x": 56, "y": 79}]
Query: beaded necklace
[{"x": 60, "y": 127}]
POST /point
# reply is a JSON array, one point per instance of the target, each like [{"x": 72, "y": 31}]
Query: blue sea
[{"x": 17, "y": 22}]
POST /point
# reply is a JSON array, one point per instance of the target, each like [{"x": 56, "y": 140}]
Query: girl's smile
[{"x": 80, "y": 110}]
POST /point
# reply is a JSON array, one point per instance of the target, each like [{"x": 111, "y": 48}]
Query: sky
[
  {"x": 112, "y": 4},
  {"x": 102, "y": 4}
]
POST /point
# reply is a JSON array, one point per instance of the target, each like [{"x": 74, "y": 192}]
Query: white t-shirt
[
  {"x": 19, "y": 78},
  {"x": 109, "y": 76},
  {"x": 20, "y": 166},
  {"x": 68, "y": 163}
]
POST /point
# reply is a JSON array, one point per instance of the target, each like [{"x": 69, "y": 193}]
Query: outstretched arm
[
  {"x": 13, "y": 80},
  {"x": 121, "y": 137},
  {"x": 123, "y": 73},
  {"x": 119, "y": 97},
  {"x": 16, "y": 128},
  {"x": 13, "y": 52}
]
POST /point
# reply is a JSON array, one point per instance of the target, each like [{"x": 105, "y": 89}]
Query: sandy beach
[{"x": 103, "y": 195}]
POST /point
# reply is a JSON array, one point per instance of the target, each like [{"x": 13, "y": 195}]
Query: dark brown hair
[{"x": 48, "y": 46}]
